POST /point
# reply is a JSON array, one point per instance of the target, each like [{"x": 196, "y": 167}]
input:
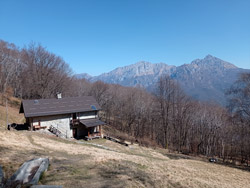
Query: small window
[
  {"x": 93, "y": 107},
  {"x": 36, "y": 102}
]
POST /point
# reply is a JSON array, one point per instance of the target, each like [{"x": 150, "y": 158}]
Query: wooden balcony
[{"x": 93, "y": 135}]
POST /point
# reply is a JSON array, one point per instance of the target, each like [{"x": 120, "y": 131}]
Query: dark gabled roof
[
  {"x": 46, "y": 107},
  {"x": 91, "y": 122}
]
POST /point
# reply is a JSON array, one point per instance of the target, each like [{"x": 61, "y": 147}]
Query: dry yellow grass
[
  {"x": 13, "y": 115},
  {"x": 81, "y": 165}
]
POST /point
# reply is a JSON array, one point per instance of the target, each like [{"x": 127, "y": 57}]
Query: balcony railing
[{"x": 93, "y": 135}]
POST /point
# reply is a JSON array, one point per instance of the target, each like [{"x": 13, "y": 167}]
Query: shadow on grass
[
  {"x": 69, "y": 171},
  {"x": 240, "y": 167},
  {"x": 181, "y": 156},
  {"x": 125, "y": 174},
  {"x": 177, "y": 156},
  {"x": 3, "y": 149},
  {"x": 18, "y": 127}
]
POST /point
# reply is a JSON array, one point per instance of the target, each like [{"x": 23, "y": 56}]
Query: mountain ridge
[{"x": 203, "y": 79}]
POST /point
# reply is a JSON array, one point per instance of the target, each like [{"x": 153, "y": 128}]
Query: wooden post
[
  {"x": 7, "y": 112},
  {"x": 31, "y": 124},
  {"x": 100, "y": 130}
]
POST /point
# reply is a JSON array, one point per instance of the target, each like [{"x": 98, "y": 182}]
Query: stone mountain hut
[{"x": 74, "y": 117}]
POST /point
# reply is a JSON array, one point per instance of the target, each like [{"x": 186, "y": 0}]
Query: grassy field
[
  {"x": 84, "y": 165},
  {"x": 102, "y": 163}
]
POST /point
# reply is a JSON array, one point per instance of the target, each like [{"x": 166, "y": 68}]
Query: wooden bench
[{"x": 38, "y": 127}]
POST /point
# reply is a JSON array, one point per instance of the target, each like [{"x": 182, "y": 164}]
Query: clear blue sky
[{"x": 96, "y": 36}]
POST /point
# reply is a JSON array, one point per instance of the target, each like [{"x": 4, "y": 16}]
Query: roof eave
[{"x": 59, "y": 113}]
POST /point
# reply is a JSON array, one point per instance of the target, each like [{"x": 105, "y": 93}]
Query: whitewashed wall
[
  {"x": 87, "y": 115},
  {"x": 62, "y": 122}
]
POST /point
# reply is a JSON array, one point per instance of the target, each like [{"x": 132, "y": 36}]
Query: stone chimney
[{"x": 59, "y": 95}]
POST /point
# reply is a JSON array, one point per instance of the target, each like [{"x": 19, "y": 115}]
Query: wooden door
[{"x": 75, "y": 132}]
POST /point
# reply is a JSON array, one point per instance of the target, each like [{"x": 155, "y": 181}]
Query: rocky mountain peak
[
  {"x": 212, "y": 62},
  {"x": 203, "y": 79},
  {"x": 141, "y": 68},
  {"x": 83, "y": 76},
  {"x": 142, "y": 63},
  {"x": 209, "y": 57}
]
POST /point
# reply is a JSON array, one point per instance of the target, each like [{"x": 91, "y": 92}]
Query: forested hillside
[
  {"x": 166, "y": 118},
  {"x": 204, "y": 79}
]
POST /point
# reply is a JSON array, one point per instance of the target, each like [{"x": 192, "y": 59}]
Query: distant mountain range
[{"x": 204, "y": 79}]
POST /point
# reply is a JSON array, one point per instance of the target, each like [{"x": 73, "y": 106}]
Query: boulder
[{"x": 29, "y": 173}]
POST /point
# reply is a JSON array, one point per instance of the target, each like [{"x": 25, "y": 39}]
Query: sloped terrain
[
  {"x": 13, "y": 113},
  {"x": 81, "y": 164}
]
